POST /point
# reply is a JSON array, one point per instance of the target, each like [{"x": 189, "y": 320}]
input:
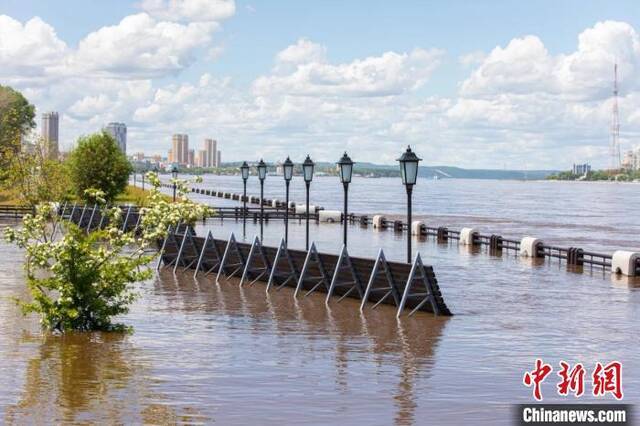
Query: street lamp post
[
  {"x": 262, "y": 174},
  {"x": 409, "y": 174},
  {"x": 287, "y": 168},
  {"x": 346, "y": 170},
  {"x": 174, "y": 174},
  {"x": 244, "y": 169},
  {"x": 142, "y": 181},
  {"x": 307, "y": 172}
]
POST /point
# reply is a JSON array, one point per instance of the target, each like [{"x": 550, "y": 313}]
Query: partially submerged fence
[
  {"x": 413, "y": 287},
  {"x": 15, "y": 212}
]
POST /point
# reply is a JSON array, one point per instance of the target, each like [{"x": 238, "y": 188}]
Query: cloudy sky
[{"x": 487, "y": 84}]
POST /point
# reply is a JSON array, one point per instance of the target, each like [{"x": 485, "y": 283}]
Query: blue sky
[{"x": 473, "y": 113}]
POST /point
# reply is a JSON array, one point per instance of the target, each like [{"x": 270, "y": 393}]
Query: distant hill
[{"x": 442, "y": 172}]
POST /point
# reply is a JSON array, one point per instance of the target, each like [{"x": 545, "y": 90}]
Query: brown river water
[{"x": 207, "y": 353}]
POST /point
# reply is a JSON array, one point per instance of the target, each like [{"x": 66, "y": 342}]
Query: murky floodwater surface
[{"x": 203, "y": 352}]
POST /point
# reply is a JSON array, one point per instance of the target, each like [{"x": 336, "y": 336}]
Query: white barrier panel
[
  {"x": 302, "y": 208},
  {"x": 378, "y": 220},
  {"x": 416, "y": 227},
  {"x": 274, "y": 203},
  {"x": 529, "y": 246},
  {"x": 624, "y": 262},
  {"x": 467, "y": 236},
  {"x": 330, "y": 216}
]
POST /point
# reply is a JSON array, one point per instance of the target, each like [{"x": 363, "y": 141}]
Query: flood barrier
[{"x": 411, "y": 287}]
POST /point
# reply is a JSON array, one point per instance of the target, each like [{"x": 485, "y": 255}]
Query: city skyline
[{"x": 535, "y": 91}]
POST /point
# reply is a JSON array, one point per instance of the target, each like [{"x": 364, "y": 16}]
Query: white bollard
[
  {"x": 467, "y": 236},
  {"x": 624, "y": 262},
  {"x": 330, "y": 216},
  {"x": 274, "y": 203},
  {"x": 529, "y": 246},
  {"x": 377, "y": 221},
  {"x": 302, "y": 209},
  {"x": 416, "y": 227}
]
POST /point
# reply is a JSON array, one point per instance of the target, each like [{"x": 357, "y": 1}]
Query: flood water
[
  {"x": 203, "y": 352},
  {"x": 598, "y": 216}
]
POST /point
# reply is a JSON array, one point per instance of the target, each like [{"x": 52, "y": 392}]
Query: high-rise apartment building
[
  {"x": 201, "y": 158},
  {"x": 119, "y": 132},
  {"x": 50, "y": 134},
  {"x": 219, "y": 159},
  {"x": 180, "y": 148},
  {"x": 210, "y": 146},
  {"x": 191, "y": 158},
  {"x": 170, "y": 156}
]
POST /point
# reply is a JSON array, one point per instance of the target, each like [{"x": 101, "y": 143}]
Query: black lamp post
[
  {"x": 307, "y": 172},
  {"x": 287, "y": 168},
  {"x": 409, "y": 174},
  {"x": 346, "y": 170},
  {"x": 174, "y": 174},
  {"x": 142, "y": 180},
  {"x": 262, "y": 175},
  {"x": 244, "y": 169}
]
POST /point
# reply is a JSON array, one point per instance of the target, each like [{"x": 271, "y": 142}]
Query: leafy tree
[
  {"x": 82, "y": 280},
  {"x": 97, "y": 163},
  {"x": 17, "y": 118},
  {"x": 33, "y": 177}
]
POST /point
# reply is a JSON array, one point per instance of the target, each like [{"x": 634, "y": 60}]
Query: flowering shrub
[{"x": 82, "y": 280}]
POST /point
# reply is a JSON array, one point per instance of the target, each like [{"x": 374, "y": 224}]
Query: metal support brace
[
  {"x": 379, "y": 266},
  {"x": 293, "y": 274},
  {"x": 201, "y": 259},
  {"x": 256, "y": 250},
  {"x": 84, "y": 208},
  {"x": 187, "y": 236},
  {"x": 93, "y": 212},
  {"x": 231, "y": 245},
  {"x": 126, "y": 220},
  {"x": 419, "y": 274},
  {"x": 344, "y": 262},
  {"x": 170, "y": 236},
  {"x": 312, "y": 256}
]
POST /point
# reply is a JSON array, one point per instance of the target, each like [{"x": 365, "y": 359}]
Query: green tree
[
  {"x": 17, "y": 118},
  {"x": 98, "y": 163},
  {"x": 32, "y": 177},
  {"x": 83, "y": 279}
]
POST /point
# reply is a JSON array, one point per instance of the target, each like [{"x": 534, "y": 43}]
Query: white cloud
[
  {"x": 310, "y": 75},
  {"x": 141, "y": 47},
  {"x": 190, "y": 10},
  {"x": 28, "y": 51}
]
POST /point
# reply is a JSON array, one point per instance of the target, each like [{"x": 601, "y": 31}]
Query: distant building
[
  {"x": 119, "y": 132},
  {"x": 581, "y": 169},
  {"x": 139, "y": 156},
  {"x": 180, "y": 149},
  {"x": 50, "y": 133},
  {"x": 170, "y": 156},
  {"x": 219, "y": 159},
  {"x": 191, "y": 158},
  {"x": 201, "y": 158},
  {"x": 210, "y": 147},
  {"x": 631, "y": 159}
]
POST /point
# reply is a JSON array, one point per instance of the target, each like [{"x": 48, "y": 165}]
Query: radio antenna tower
[{"x": 614, "y": 146}]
